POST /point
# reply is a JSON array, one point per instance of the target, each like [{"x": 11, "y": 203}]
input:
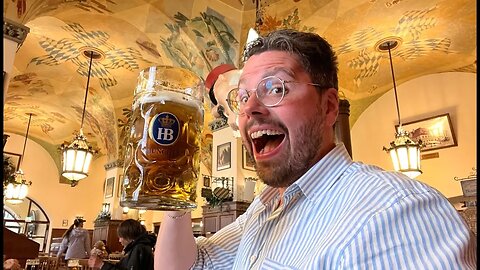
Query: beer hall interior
[{"x": 71, "y": 66}]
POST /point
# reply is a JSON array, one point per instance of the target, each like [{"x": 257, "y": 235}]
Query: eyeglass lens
[{"x": 270, "y": 91}]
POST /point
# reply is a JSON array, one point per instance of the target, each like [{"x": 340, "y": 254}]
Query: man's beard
[{"x": 298, "y": 157}]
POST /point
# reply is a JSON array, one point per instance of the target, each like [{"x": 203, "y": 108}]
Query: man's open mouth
[{"x": 266, "y": 140}]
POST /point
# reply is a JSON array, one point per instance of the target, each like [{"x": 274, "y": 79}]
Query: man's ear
[{"x": 330, "y": 104}]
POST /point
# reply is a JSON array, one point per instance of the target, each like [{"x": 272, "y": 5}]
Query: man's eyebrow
[{"x": 271, "y": 72}]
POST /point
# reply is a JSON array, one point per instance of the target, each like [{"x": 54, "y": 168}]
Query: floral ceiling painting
[{"x": 50, "y": 68}]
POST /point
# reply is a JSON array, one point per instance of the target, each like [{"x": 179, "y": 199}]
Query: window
[{"x": 27, "y": 218}]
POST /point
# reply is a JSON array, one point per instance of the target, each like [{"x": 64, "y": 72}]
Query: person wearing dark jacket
[{"x": 137, "y": 247}]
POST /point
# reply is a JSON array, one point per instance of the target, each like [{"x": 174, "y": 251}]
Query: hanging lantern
[
  {"x": 77, "y": 155},
  {"x": 405, "y": 153},
  {"x": 17, "y": 189}
]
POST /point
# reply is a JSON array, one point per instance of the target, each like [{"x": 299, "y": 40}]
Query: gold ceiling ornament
[
  {"x": 17, "y": 189},
  {"x": 405, "y": 152},
  {"x": 78, "y": 155}
]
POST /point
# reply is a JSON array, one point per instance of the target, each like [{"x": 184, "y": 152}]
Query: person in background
[
  {"x": 11, "y": 264},
  {"x": 320, "y": 209},
  {"x": 137, "y": 247},
  {"x": 76, "y": 242}
]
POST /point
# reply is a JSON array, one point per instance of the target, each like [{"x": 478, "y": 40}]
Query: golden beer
[{"x": 162, "y": 159}]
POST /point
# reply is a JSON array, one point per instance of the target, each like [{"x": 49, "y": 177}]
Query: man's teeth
[{"x": 260, "y": 133}]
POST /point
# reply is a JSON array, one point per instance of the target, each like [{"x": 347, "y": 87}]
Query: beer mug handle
[{"x": 142, "y": 110}]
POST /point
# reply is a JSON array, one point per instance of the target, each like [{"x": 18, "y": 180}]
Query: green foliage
[
  {"x": 8, "y": 170},
  {"x": 103, "y": 216}
]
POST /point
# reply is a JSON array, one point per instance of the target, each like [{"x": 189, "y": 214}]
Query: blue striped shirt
[{"x": 344, "y": 215}]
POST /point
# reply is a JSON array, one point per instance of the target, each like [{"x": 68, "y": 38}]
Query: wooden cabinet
[
  {"x": 215, "y": 218},
  {"x": 19, "y": 246},
  {"x": 107, "y": 231}
]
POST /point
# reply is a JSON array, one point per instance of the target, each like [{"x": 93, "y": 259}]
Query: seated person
[{"x": 138, "y": 248}]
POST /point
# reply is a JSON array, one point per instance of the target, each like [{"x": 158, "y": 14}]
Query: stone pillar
[
  {"x": 342, "y": 126},
  {"x": 115, "y": 169}
]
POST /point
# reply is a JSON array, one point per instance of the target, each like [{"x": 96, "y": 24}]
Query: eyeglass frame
[{"x": 228, "y": 100}]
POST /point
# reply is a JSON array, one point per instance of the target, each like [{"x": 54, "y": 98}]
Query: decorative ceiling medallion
[
  {"x": 98, "y": 55},
  {"x": 383, "y": 44}
]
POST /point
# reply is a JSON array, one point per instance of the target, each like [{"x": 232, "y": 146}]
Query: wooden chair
[
  {"x": 48, "y": 263},
  {"x": 32, "y": 264},
  {"x": 79, "y": 264}
]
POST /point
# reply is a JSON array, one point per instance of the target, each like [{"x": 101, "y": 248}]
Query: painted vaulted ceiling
[{"x": 50, "y": 69}]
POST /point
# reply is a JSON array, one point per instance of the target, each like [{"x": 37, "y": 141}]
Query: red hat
[{"x": 212, "y": 78}]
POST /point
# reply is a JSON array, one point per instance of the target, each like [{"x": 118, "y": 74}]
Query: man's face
[{"x": 287, "y": 139}]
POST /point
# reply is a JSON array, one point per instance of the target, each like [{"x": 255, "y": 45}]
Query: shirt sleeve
[
  {"x": 63, "y": 246},
  {"x": 219, "y": 250},
  {"x": 419, "y": 231}
]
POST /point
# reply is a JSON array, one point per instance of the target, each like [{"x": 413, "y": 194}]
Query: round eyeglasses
[{"x": 270, "y": 91}]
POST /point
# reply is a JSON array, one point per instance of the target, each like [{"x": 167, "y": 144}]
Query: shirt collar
[{"x": 318, "y": 179}]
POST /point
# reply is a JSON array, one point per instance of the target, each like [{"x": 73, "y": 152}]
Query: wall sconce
[
  {"x": 106, "y": 207},
  {"x": 140, "y": 215}
]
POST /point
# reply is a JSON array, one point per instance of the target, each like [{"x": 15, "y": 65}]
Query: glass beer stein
[{"x": 162, "y": 157}]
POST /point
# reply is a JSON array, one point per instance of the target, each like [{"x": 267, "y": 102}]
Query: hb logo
[{"x": 164, "y": 128}]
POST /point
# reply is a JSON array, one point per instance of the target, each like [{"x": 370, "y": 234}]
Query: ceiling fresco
[{"x": 50, "y": 70}]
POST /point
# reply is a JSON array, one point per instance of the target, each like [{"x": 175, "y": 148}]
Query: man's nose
[{"x": 253, "y": 106}]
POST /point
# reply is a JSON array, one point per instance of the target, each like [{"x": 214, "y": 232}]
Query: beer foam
[{"x": 171, "y": 96}]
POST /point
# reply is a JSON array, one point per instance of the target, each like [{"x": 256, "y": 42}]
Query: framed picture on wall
[
  {"x": 224, "y": 156},
  {"x": 436, "y": 132},
  {"x": 109, "y": 185},
  {"x": 247, "y": 161},
  {"x": 13, "y": 158},
  {"x": 119, "y": 185}
]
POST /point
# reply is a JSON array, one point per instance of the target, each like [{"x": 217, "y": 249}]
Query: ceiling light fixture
[
  {"x": 17, "y": 189},
  {"x": 405, "y": 152},
  {"x": 78, "y": 155}
]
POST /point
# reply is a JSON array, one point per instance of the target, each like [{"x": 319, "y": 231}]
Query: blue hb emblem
[{"x": 164, "y": 128}]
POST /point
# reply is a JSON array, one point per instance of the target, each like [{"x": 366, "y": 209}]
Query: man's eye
[
  {"x": 242, "y": 96},
  {"x": 275, "y": 90},
  {"x": 243, "y": 99}
]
